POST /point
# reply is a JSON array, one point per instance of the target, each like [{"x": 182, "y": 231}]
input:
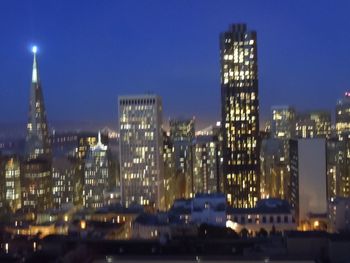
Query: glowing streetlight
[{"x": 82, "y": 224}]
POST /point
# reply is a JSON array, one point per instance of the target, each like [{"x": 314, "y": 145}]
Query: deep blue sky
[{"x": 92, "y": 51}]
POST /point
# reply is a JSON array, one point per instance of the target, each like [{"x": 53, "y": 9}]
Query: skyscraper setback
[{"x": 240, "y": 115}]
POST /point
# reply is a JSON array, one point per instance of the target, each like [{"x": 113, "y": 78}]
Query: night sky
[{"x": 92, "y": 51}]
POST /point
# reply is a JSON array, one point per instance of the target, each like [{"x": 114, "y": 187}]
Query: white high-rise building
[{"x": 141, "y": 147}]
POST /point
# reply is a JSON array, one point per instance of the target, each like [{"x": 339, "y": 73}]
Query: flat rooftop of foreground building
[
  {"x": 180, "y": 210},
  {"x": 118, "y": 208},
  {"x": 182, "y": 200},
  {"x": 264, "y": 206},
  {"x": 211, "y": 195},
  {"x": 152, "y": 220}
]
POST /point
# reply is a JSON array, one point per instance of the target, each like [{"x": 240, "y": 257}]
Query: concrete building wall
[{"x": 312, "y": 177}]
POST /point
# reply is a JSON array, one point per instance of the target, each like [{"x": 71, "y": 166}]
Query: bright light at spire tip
[{"x": 34, "y": 49}]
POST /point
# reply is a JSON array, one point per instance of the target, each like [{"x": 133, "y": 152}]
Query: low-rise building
[
  {"x": 269, "y": 214},
  {"x": 149, "y": 226},
  {"x": 202, "y": 209}
]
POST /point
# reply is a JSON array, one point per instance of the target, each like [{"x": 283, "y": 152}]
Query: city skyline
[
  {"x": 181, "y": 70},
  {"x": 244, "y": 158}
]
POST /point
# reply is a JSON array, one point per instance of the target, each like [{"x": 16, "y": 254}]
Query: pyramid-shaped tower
[
  {"x": 37, "y": 181},
  {"x": 37, "y": 140}
]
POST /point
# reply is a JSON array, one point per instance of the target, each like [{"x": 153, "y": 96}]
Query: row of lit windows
[
  {"x": 240, "y": 43},
  {"x": 243, "y": 219}
]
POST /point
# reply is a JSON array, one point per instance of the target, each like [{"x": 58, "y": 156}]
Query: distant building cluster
[{"x": 304, "y": 159}]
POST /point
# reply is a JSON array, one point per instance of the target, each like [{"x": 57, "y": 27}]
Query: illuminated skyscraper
[
  {"x": 86, "y": 141},
  {"x": 182, "y": 134},
  {"x": 13, "y": 183},
  {"x": 283, "y": 122},
  {"x": 338, "y": 152},
  {"x": 276, "y": 180},
  {"x": 172, "y": 182},
  {"x": 313, "y": 124},
  {"x": 141, "y": 150},
  {"x": 63, "y": 181},
  {"x": 206, "y": 161},
  {"x": 240, "y": 115},
  {"x": 37, "y": 192},
  {"x": 37, "y": 140},
  {"x": 342, "y": 115},
  {"x": 96, "y": 179},
  {"x": 338, "y": 168}
]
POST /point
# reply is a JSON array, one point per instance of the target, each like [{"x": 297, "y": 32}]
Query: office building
[
  {"x": 182, "y": 133},
  {"x": 63, "y": 180},
  {"x": 339, "y": 215},
  {"x": 240, "y": 115},
  {"x": 338, "y": 167},
  {"x": 206, "y": 161},
  {"x": 308, "y": 172},
  {"x": 37, "y": 183},
  {"x": 342, "y": 115},
  {"x": 96, "y": 177},
  {"x": 313, "y": 124},
  {"x": 85, "y": 141},
  {"x": 141, "y": 150},
  {"x": 173, "y": 183},
  {"x": 275, "y": 177},
  {"x": 11, "y": 174},
  {"x": 283, "y": 122}
]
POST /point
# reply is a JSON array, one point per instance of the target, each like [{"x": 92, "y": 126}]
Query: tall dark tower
[
  {"x": 240, "y": 115},
  {"x": 37, "y": 194}
]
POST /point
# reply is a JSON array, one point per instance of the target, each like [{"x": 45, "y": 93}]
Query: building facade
[
  {"x": 206, "y": 162},
  {"x": 173, "y": 183},
  {"x": 338, "y": 153},
  {"x": 63, "y": 180},
  {"x": 339, "y": 214},
  {"x": 275, "y": 177},
  {"x": 240, "y": 115},
  {"x": 182, "y": 132},
  {"x": 269, "y": 214},
  {"x": 141, "y": 150},
  {"x": 342, "y": 115},
  {"x": 283, "y": 122},
  {"x": 313, "y": 124},
  {"x": 12, "y": 172},
  {"x": 308, "y": 171}
]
